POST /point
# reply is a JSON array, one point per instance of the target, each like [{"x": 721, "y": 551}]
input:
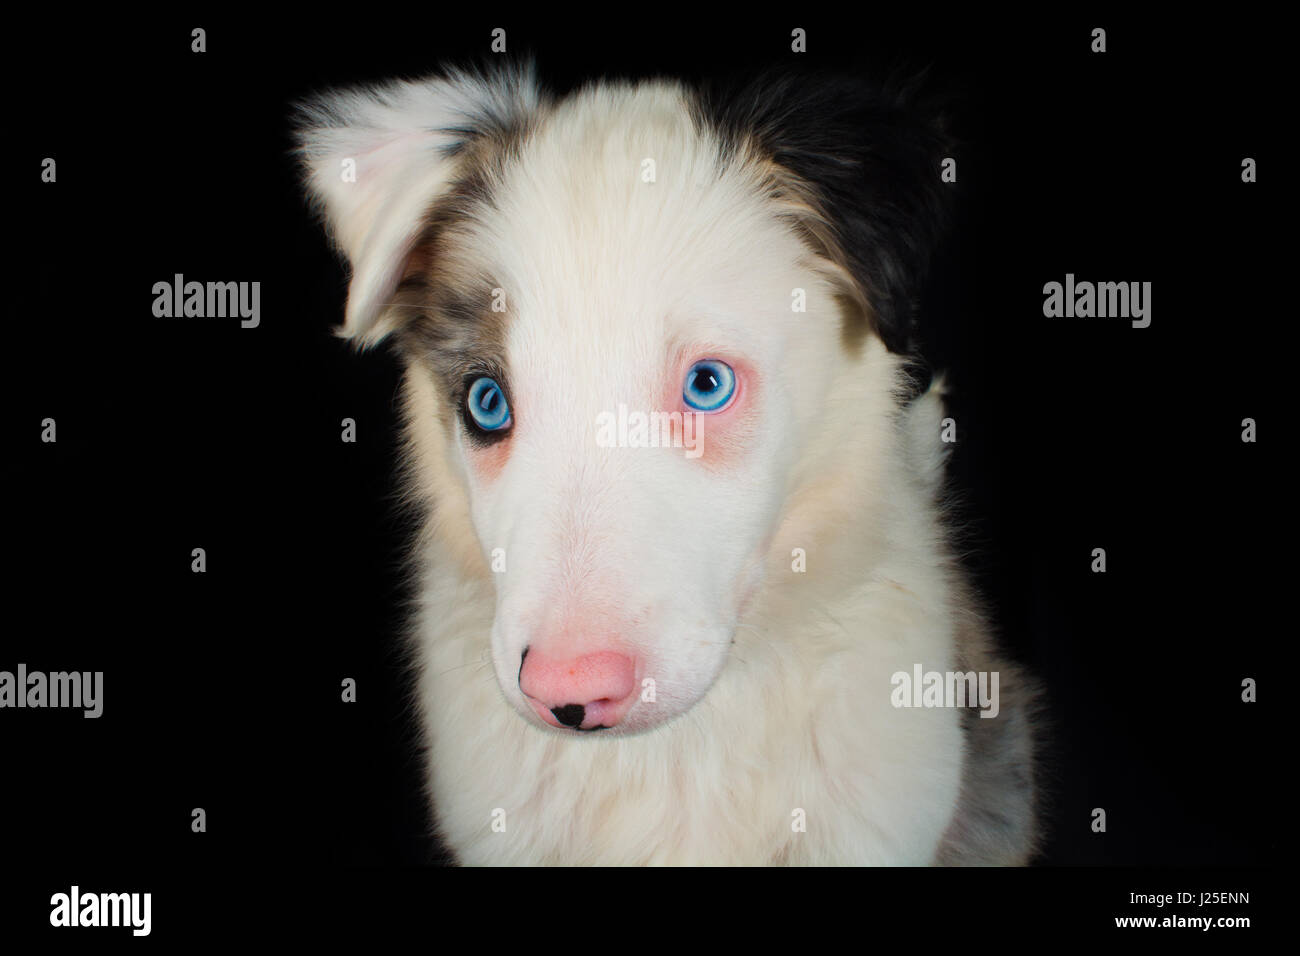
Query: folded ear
[
  {"x": 866, "y": 161},
  {"x": 377, "y": 159}
]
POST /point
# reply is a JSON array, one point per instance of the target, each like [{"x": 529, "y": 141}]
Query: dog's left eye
[
  {"x": 487, "y": 406},
  {"x": 709, "y": 385}
]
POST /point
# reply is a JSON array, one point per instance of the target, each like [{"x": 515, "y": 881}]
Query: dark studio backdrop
[{"x": 222, "y": 689}]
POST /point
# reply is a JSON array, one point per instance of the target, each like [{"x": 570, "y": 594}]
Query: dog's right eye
[{"x": 486, "y": 405}]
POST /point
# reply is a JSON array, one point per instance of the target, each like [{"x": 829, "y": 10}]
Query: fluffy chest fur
[{"x": 786, "y": 760}]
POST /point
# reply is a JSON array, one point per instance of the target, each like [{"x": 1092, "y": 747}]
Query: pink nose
[{"x": 584, "y": 693}]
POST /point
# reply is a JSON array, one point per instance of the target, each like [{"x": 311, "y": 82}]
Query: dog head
[{"x": 640, "y": 322}]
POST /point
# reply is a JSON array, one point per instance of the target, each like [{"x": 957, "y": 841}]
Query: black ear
[{"x": 872, "y": 156}]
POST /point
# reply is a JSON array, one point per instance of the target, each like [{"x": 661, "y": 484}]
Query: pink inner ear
[
  {"x": 375, "y": 278},
  {"x": 355, "y": 172},
  {"x": 379, "y": 263},
  {"x": 377, "y": 218}
]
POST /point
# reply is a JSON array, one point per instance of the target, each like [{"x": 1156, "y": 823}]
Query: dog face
[{"x": 630, "y": 321}]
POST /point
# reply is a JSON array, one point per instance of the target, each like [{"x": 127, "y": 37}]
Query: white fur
[{"x": 604, "y": 274}]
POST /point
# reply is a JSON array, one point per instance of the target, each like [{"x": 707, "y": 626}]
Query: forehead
[
  {"x": 620, "y": 216},
  {"x": 613, "y": 229}
]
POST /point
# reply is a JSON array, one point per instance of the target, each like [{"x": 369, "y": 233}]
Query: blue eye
[
  {"x": 709, "y": 385},
  {"x": 486, "y": 404}
]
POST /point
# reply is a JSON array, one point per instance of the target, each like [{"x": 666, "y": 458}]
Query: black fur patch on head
[{"x": 872, "y": 156}]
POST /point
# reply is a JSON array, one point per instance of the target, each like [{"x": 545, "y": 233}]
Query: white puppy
[{"x": 683, "y": 531}]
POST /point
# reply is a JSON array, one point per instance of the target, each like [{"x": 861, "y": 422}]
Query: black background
[{"x": 222, "y": 689}]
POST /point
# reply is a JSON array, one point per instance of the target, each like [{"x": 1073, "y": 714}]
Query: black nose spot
[
  {"x": 570, "y": 714},
  {"x": 519, "y": 678}
]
